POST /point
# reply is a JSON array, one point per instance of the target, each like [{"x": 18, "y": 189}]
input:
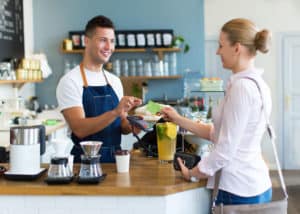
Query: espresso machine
[
  {"x": 90, "y": 169},
  {"x": 27, "y": 144}
]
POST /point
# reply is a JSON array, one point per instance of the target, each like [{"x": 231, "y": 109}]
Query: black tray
[
  {"x": 94, "y": 180},
  {"x": 62, "y": 180},
  {"x": 21, "y": 177}
]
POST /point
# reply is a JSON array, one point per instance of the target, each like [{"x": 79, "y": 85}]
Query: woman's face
[{"x": 227, "y": 52}]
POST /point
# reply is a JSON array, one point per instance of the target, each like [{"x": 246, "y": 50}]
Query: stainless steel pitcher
[{"x": 28, "y": 135}]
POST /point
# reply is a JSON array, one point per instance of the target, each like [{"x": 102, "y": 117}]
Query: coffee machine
[{"x": 27, "y": 144}]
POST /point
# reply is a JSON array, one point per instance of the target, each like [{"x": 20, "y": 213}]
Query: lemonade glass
[{"x": 166, "y": 141}]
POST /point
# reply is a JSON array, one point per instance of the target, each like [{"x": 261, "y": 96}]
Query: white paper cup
[{"x": 122, "y": 162}]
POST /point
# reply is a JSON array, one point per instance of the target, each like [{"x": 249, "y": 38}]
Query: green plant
[
  {"x": 179, "y": 41},
  {"x": 136, "y": 90}
]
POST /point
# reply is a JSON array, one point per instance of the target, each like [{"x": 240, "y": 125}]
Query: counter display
[{"x": 146, "y": 178}]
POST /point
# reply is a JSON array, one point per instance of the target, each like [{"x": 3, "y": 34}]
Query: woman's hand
[
  {"x": 188, "y": 173},
  {"x": 184, "y": 170},
  {"x": 170, "y": 114}
]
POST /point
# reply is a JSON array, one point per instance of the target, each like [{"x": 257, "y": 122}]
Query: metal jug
[{"x": 27, "y": 143}]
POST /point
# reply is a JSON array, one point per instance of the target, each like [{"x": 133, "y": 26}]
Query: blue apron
[{"x": 97, "y": 100}]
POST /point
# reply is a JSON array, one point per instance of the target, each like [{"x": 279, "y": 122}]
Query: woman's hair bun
[{"x": 262, "y": 40}]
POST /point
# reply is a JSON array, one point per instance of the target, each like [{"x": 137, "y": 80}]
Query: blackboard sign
[{"x": 11, "y": 29}]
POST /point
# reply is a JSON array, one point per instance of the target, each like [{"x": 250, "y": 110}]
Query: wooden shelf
[
  {"x": 126, "y": 50},
  {"x": 159, "y": 51},
  {"x": 149, "y": 77},
  {"x": 201, "y": 91},
  {"x": 19, "y": 83}
]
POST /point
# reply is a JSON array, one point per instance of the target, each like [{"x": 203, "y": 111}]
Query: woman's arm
[{"x": 200, "y": 129}]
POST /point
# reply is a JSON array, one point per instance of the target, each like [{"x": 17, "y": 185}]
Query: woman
[{"x": 238, "y": 121}]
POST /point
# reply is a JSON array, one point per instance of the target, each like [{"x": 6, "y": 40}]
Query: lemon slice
[{"x": 171, "y": 131}]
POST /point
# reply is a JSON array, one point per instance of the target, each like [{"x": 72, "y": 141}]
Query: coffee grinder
[
  {"x": 90, "y": 169},
  {"x": 27, "y": 144}
]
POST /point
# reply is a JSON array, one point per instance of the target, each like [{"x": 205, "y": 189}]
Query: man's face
[{"x": 100, "y": 45}]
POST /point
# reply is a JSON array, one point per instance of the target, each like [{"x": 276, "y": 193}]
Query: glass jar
[
  {"x": 147, "y": 69},
  {"x": 139, "y": 67},
  {"x": 132, "y": 67},
  {"x": 90, "y": 167},
  {"x": 172, "y": 64},
  {"x": 124, "y": 68},
  {"x": 59, "y": 168},
  {"x": 116, "y": 67}
]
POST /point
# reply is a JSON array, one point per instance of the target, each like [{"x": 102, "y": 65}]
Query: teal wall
[{"x": 52, "y": 20}]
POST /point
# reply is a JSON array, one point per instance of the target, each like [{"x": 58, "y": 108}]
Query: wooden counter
[{"x": 146, "y": 177}]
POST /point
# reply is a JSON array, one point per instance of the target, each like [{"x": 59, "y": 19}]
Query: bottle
[
  {"x": 209, "y": 112},
  {"x": 201, "y": 104},
  {"x": 195, "y": 104}
]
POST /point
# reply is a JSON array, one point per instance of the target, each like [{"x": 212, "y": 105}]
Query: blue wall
[{"x": 54, "y": 19}]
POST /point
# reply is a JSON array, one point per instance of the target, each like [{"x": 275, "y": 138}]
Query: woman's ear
[{"x": 237, "y": 47}]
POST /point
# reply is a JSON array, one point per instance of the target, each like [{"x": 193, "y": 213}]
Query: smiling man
[{"x": 91, "y": 99}]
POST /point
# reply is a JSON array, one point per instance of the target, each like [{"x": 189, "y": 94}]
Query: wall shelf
[
  {"x": 19, "y": 83},
  {"x": 201, "y": 91},
  {"x": 160, "y": 51},
  {"x": 149, "y": 77}
]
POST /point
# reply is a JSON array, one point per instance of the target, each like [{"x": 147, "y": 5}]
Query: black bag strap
[{"x": 272, "y": 136}]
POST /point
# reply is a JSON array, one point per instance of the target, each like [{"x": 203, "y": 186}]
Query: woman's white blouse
[{"x": 239, "y": 125}]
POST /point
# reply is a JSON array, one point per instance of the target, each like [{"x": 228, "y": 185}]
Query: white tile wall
[{"x": 192, "y": 202}]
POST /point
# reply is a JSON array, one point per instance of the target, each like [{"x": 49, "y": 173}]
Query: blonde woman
[{"x": 238, "y": 122}]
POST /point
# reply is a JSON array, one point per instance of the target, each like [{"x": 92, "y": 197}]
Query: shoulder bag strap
[{"x": 272, "y": 136}]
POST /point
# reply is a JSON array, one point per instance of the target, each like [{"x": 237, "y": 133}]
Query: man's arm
[{"x": 82, "y": 126}]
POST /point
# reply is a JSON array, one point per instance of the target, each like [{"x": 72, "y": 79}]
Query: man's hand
[{"x": 126, "y": 104}]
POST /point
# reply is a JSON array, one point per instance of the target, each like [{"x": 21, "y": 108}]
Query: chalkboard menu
[{"x": 11, "y": 29}]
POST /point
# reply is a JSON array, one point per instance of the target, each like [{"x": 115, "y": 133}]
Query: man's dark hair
[{"x": 98, "y": 21}]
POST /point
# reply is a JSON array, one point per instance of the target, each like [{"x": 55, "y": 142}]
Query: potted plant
[{"x": 179, "y": 42}]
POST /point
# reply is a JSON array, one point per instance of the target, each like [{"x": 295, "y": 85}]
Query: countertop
[{"x": 146, "y": 177}]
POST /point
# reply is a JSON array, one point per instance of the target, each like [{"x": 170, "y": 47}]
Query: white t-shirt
[
  {"x": 70, "y": 87},
  {"x": 239, "y": 124}
]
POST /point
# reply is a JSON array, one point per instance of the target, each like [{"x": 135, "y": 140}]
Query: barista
[{"x": 91, "y": 99}]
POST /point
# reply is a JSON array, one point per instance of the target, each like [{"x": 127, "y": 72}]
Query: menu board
[{"x": 11, "y": 29}]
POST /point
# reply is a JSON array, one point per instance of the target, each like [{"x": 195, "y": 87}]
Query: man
[{"x": 91, "y": 99}]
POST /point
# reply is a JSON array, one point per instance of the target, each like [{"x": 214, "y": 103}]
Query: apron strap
[
  {"x": 106, "y": 80},
  {"x": 85, "y": 84}
]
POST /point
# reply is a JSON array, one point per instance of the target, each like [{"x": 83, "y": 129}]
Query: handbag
[
  {"x": 273, "y": 207},
  {"x": 189, "y": 160}
]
